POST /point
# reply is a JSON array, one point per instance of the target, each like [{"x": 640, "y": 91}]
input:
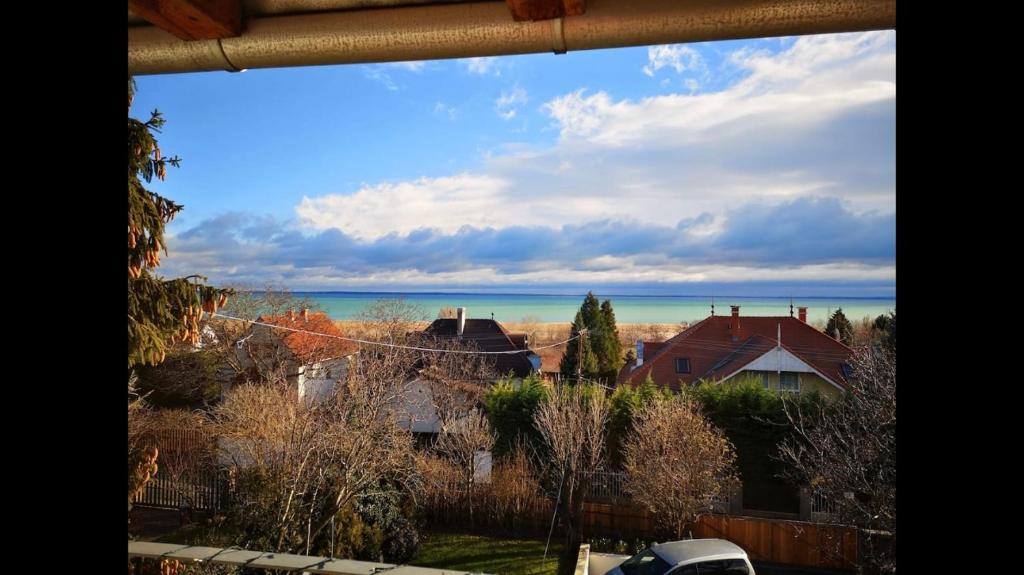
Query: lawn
[{"x": 494, "y": 555}]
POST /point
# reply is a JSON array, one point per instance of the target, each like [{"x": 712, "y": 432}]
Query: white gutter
[{"x": 475, "y": 29}]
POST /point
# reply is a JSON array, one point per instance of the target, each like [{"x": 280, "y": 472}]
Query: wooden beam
[
  {"x": 523, "y": 10},
  {"x": 192, "y": 19}
]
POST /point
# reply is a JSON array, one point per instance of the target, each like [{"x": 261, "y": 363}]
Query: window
[
  {"x": 646, "y": 563},
  {"x": 847, "y": 370},
  {"x": 723, "y": 567},
  {"x": 789, "y": 381},
  {"x": 682, "y": 365},
  {"x": 766, "y": 380}
]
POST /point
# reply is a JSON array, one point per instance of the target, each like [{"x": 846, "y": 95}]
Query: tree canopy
[
  {"x": 838, "y": 321},
  {"x": 601, "y": 354},
  {"x": 160, "y": 311}
]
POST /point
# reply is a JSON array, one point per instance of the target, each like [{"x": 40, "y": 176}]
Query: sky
[{"x": 665, "y": 168}]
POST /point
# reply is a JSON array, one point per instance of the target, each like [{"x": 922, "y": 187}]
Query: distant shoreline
[{"x": 600, "y": 295}]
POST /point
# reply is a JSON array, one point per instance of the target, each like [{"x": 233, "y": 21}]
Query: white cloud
[
  {"x": 378, "y": 74},
  {"x": 815, "y": 120},
  {"x": 442, "y": 109},
  {"x": 509, "y": 102},
  {"x": 814, "y": 81},
  {"x": 375, "y": 211},
  {"x": 415, "y": 66},
  {"x": 676, "y": 56},
  {"x": 482, "y": 66}
]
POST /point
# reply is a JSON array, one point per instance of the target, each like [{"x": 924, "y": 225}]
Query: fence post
[
  {"x": 736, "y": 501},
  {"x": 805, "y": 503}
]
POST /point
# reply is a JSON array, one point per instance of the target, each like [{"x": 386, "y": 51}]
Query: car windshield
[{"x": 646, "y": 563}]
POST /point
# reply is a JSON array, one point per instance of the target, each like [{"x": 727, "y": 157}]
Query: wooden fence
[{"x": 769, "y": 540}]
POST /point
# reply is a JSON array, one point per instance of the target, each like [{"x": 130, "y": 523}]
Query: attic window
[{"x": 682, "y": 365}]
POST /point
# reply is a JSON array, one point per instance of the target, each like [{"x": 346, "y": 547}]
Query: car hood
[{"x": 605, "y": 564}]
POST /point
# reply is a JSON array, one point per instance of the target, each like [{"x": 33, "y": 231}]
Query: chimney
[
  {"x": 305, "y": 314},
  {"x": 461, "y": 321},
  {"x": 639, "y": 352},
  {"x": 291, "y": 314},
  {"x": 734, "y": 323},
  {"x": 803, "y": 314}
]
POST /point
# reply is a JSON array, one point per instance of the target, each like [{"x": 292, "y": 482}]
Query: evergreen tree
[
  {"x": 602, "y": 352},
  {"x": 160, "y": 311},
  {"x": 884, "y": 329},
  {"x": 612, "y": 345},
  {"x": 838, "y": 320},
  {"x": 572, "y": 353}
]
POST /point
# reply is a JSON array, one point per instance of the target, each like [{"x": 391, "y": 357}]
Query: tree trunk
[{"x": 570, "y": 554}]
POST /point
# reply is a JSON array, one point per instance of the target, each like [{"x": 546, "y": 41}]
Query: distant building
[
  {"x": 418, "y": 412},
  {"x": 489, "y": 335},
  {"x": 313, "y": 363},
  {"x": 785, "y": 353}
]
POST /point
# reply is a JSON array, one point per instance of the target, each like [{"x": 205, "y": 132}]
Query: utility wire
[{"x": 385, "y": 344}]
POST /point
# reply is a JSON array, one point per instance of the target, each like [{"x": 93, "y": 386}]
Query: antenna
[
  {"x": 712, "y": 306},
  {"x": 790, "y": 306}
]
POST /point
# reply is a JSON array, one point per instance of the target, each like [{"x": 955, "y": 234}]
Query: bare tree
[
  {"x": 248, "y": 357},
  {"x": 300, "y": 465},
  {"x": 392, "y": 320},
  {"x": 677, "y": 463},
  {"x": 464, "y": 438},
  {"x": 456, "y": 379},
  {"x": 846, "y": 452},
  {"x": 572, "y": 424}
]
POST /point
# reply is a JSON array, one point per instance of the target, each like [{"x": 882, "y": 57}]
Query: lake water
[{"x": 628, "y": 308}]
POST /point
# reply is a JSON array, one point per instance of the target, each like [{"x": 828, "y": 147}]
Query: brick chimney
[
  {"x": 802, "y": 311},
  {"x": 461, "y": 320},
  {"x": 291, "y": 314},
  {"x": 734, "y": 323},
  {"x": 305, "y": 314}
]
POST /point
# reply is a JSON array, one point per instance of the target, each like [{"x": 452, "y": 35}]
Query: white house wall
[
  {"x": 317, "y": 382},
  {"x": 416, "y": 411}
]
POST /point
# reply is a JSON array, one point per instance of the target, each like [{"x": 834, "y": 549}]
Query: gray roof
[{"x": 676, "y": 552}]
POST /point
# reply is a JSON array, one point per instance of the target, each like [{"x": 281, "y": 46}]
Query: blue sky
[{"x": 746, "y": 161}]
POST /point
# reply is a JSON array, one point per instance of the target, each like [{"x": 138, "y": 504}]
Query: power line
[{"x": 385, "y": 344}]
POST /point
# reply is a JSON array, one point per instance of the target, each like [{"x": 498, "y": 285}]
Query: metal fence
[
  {"x": 822, "y": 506},
  {"x": 205, "y": 490},
  {"x": 608, "y": 485}
]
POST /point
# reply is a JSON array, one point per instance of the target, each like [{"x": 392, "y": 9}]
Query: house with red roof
[
  {"x": 784, "y": 353},
  {"x": 313, "y": 363}
]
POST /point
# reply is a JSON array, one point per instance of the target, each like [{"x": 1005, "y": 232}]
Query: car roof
[{"x": 679, "y": 552}]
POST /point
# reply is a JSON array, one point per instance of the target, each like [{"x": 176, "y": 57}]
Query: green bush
[
  {"x": 622, "y": 404},
  {"x": 754, "y": 420},
  {"x": 510, "y": 411}
]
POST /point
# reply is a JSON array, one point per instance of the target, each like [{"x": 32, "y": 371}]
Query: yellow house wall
[{"x": 808, "y": 382}]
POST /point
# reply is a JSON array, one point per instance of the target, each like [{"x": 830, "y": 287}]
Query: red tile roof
[
  {"x": 715, "y": 354},
  {"x": 309, "y": 347},
  {"x": 551, "y": 359}
]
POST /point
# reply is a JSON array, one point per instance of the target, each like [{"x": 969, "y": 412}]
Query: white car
[{"x": 689, "y": 557}]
